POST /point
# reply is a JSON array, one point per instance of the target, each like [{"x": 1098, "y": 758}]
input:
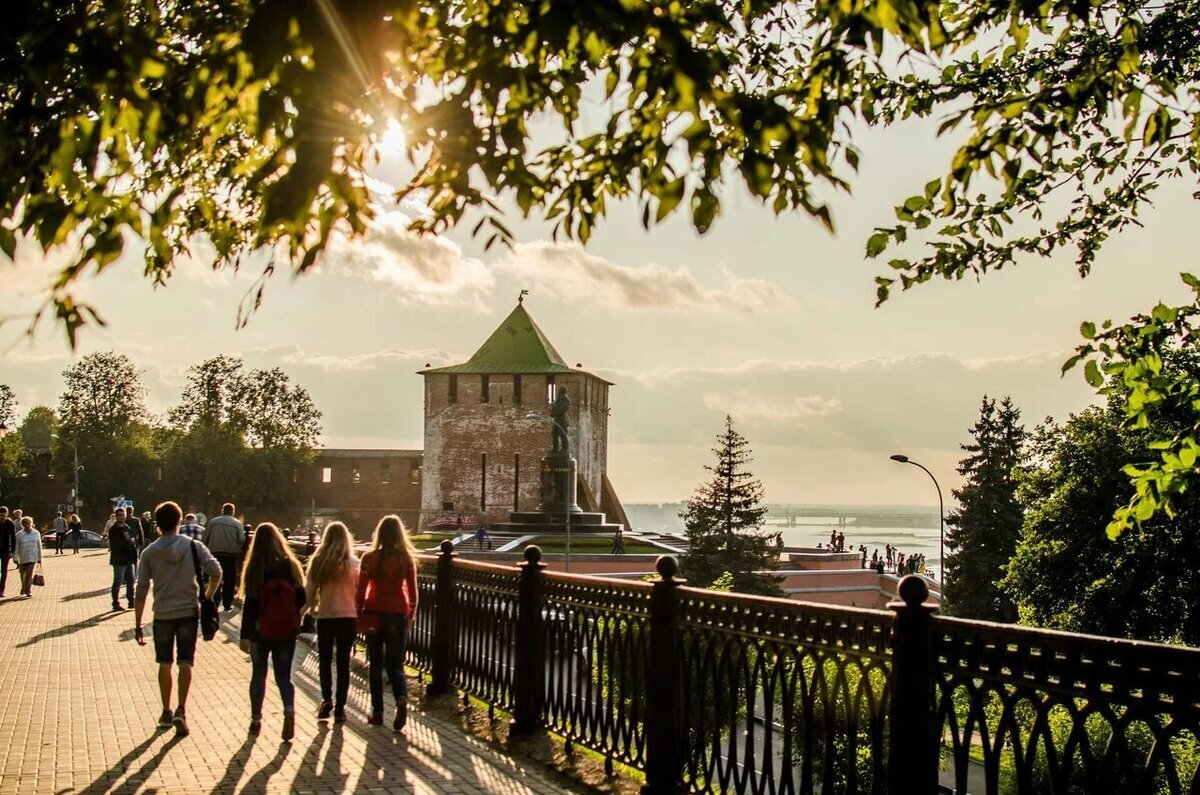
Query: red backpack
[{"x": 278, "y": 618}]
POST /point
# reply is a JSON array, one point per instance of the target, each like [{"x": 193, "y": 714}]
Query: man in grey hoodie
[{"x": 168, "y": 564}]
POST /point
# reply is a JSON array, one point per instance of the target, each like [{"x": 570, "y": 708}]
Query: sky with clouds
[{"x": 770, "y": 319}]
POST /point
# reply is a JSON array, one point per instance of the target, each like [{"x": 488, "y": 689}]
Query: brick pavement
[{"x": 79, "y": 703}]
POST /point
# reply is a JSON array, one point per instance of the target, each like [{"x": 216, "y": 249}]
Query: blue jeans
[
  {"x": 385, "y": 650},
  {"x": 280, "y": 653},
  {"x": 122, "y": 573}
]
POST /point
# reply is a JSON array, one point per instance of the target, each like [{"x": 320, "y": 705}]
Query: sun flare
[{"x": 391, "y": 143}]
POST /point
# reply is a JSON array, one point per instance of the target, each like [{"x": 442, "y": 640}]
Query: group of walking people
[
  {"x": 67, "y": 530},
  {"x": 375, "y": 596}
]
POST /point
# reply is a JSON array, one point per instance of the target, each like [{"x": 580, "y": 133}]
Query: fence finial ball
[
  {"x": 533, "y": 553},
  {"x": 913, "y": 590},
  {"x": 447, "y": 546},
  {"x": 666, "y": 566}
]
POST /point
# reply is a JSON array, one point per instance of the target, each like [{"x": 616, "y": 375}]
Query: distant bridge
[{"x": 843, "y": 518}]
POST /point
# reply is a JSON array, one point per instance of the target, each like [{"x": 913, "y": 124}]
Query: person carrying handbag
[
  {"x": 273, "y": 597},
  {"x": 387, "y": 603},
  {"x": 28, "y": 554}
]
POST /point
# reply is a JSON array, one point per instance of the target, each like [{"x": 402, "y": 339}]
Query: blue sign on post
[{"x": 124, "y": 503}]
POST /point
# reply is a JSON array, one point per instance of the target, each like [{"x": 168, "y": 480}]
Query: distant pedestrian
[
  {"x": 618, "y": 545},
  {"x": 833, "y": 539},
  {"x": 332, "y": 582},
  {"x": 862, "y": 548},
  {"x": 387, "y": 601},
  {"x": 8, "y": 545},
  {"x": 272, "y": 597},
  {"x": 481, "y": 535},
  {"x": 28, "y": 553},
  {"x": 192, "y": 528},
  {"x": 137, "y": 532},
  {"x": 841, "y": 541},
  {"x": 74, "y": 531},
  {"x": 122, "y": 556},
  {"x": 225, "y": 537},
  {"x": 60, "y": 533},
  {"x": 170, "y": 564}
]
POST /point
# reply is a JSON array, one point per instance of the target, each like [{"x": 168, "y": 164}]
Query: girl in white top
[
  {"x": 332, "y": 580},
  {"x": 28, "y": 554}
]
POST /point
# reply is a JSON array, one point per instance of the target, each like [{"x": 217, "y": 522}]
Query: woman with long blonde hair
[
  {"x": 273, "y": 594},
  {"x": 387, "y": 602},
  {"x": 332, "y": 579}
]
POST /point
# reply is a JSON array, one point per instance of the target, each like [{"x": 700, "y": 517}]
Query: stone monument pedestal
[
  {"x": 559, "y": 489},
  {"x": 559, "y": 507}
]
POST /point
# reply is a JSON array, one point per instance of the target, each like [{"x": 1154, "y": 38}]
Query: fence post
[
  {"x": 913, "y": 757},
  {"x": 444, "y": 642},
  {"x": 664, "y": 762},
  {"x": 529, "y": 676}
]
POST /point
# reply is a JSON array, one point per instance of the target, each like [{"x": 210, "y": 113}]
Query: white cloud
[
  {"x": 567, "y": 269},
  {"x": 745, "y": 406},
  {"x": 427, "y": 269}
]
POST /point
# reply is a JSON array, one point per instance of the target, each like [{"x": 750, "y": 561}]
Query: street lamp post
[
  {"x": 903, "y": 459},
  {"x": 567, "y": 450},
  {"x": 78, "y": 469}
]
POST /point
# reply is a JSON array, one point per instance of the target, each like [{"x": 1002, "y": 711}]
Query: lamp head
[{"x": 903, "y": 459}]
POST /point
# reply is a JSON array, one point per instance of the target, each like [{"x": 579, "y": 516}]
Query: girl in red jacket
[{"x": 387, "y": 602}]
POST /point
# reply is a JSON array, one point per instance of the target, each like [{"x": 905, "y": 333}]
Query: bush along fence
[{"x": 706, "y": 691}]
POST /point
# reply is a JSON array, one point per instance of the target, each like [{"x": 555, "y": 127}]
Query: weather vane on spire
[{"x": 521, "y": 297}]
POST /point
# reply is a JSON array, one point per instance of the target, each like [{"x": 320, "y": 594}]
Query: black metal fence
[{"x": 716, "y": 692}]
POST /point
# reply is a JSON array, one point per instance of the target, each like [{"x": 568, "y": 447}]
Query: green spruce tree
[
  {"x": 724, "y": 521},
  {"x": 983, "y": 531}
]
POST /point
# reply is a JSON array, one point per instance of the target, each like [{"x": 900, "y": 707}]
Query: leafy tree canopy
[
  {"x": 249, "y": 124},
  {"x": 39, "y": 426},
  {"x": 8, "y": 407},
  {"x": 1065, "y": 573},
  {"x": 238, "y": 435}
]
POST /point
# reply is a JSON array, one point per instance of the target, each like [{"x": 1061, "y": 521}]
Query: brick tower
[{"x": 483, "y": 455}]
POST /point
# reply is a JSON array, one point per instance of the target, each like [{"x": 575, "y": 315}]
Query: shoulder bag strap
[{"x": 196, "y": 564}]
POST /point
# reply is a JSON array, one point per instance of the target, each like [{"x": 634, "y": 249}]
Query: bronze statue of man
[{"x": 559, "y": 422}]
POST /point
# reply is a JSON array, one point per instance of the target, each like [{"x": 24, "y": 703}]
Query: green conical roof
[{"x": 517, "y": 346}]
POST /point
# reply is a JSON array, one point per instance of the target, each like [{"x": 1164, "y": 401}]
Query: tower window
[
  {"x": 327, "y": 474},
  {"x": 415, "y": 476},
  {"x": 549, "y": 389},
  {"x": 483, "y": 482},
  {"x": 516, "y": 390},
  {"x": 453, "y": 388},
  {"x": 516, "y": 481},
  {"x": 485, "y": 388},
  {"x": 356, "y": 476}
]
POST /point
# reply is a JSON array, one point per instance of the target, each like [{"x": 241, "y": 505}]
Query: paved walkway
[{"x": 79, "y": 702}]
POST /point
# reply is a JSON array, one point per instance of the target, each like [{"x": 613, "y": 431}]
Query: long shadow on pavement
[
  {"x": 72, "y": 597},
  {"x": 101, "y": 785},
  {"x": 137, "y": 779},
  {"x": 68, "y": 629},
  {"x": 261, "y": 780},
  {"x": 237, "y": 765}
]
